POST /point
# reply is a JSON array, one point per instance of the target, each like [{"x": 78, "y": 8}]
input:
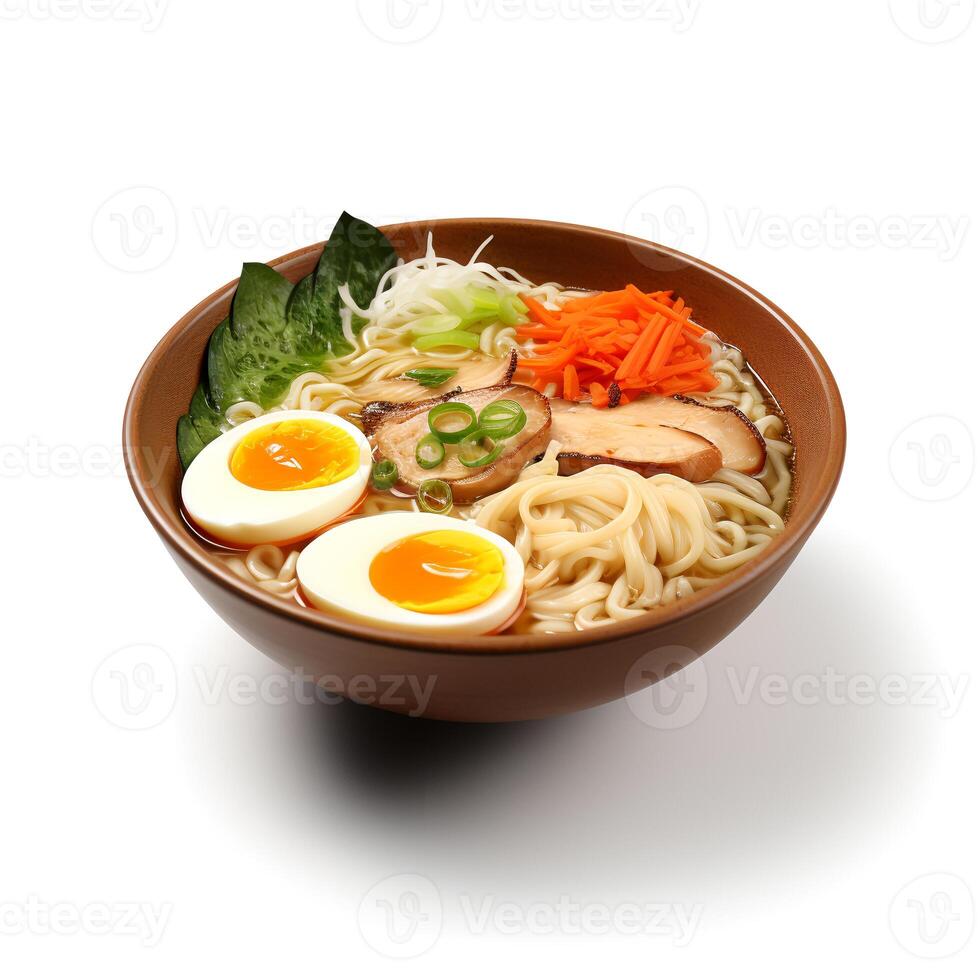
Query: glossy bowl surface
[{"x": 504, "y": 678}]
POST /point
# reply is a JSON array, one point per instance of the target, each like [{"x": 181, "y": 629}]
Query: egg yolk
[
  {"x": 438, "y": 572},
  {"x": 295, "y": 454}
]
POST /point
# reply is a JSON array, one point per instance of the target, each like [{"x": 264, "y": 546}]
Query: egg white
[
  {"x": 237, "y": 514},
  {"x": 334, "y": 574}
]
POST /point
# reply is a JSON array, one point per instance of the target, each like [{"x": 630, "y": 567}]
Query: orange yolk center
[
  {"x": 296, "y": 454},
  {"x": 438, "y": 572}
]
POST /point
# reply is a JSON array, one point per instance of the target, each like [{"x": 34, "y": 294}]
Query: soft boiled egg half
[
  {"x": 424, "y": 573},
  {"x": 277, "y": 479}
]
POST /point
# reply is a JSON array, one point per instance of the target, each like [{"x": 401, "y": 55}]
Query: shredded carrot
[
  {"x": 638, "y": 342},
  {"x": 600, "y": 396},
  {"x": 570, "y": 390},
  {"x": 540, "y": 313}
]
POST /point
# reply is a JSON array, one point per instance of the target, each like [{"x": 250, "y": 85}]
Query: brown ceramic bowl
[{"x": 504, "y": 678}]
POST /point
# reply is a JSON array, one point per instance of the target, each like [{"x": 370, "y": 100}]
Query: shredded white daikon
[{"x": 410, "y": 289}]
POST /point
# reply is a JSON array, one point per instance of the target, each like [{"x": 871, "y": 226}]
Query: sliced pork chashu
[
  {"x": 598, "y": 437},
  {"x": 395, "y": 430},
  {"x": 477, "y": 371},
  {"x": 742, "y": 445},
  {"x": 657, "y": 435}
]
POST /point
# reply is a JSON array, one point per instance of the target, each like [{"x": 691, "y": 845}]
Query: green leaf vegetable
[
  {"x": 430, "y": 377},
  {"x": 277, "y": 331}
]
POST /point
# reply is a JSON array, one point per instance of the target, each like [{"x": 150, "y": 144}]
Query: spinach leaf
[
  {"x": 277, "y": 331},
  {"x": 356, "y": 254},
  {"x": 206, "y": 418},
  {"x": 198, "y": 427},
  {"x": 256, "y": 353},
  {"x": 189, "y": 443}
]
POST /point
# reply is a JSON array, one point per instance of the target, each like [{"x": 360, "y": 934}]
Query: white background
[{"x": 825, "y": 153}]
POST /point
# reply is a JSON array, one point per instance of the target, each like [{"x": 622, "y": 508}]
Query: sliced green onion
[
  {"x": 486, "y": 306},
  {"x": 475, "y": 305},
  {"x": 503, "y": 418},
  {"x": 384, "y": 474},
  {"x": 479, "y": 449},
  {"x": 437, "y": 323},
  {"x": 451, "y": 421},
  {"x": 512, "y": 310},
  {"x": 457, "y": 301},
  {"x": 451, "y": 338},
  {"x": 430, "y": 377},
  {"x": 484, "y": 299},
  {"x": 478, "y": 318},
  {"x": 435, "y": 497},
  {"x": 429, "y": 452}
]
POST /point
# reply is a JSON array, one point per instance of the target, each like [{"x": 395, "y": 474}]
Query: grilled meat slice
[
  {"x": 395, "y": 430},
  {"x": 657, "y": 435}
]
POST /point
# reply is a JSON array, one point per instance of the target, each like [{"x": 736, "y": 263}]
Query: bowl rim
[{"x": 798, "y": 528}]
